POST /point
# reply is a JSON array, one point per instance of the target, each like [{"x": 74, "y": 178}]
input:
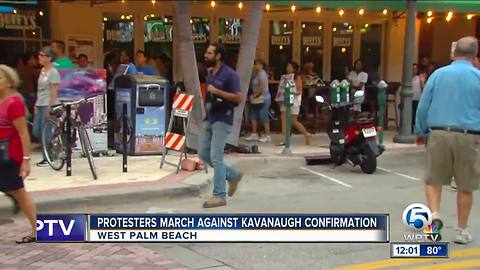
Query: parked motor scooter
[{"x": 353, "y": 139}]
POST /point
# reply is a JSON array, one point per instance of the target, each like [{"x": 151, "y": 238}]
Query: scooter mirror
[
  {"x": 319, "y": 99},
  {"x": 360, "y": 93}
]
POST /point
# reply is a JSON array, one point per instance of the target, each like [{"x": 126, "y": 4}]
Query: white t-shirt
[
  {"x": 44, "y": 88},
  {"x": 356, "y": 79},
  {"x": 416, "y": 88}
]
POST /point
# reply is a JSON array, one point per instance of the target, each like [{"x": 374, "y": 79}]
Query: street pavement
[{"x": 272, "y": 183}]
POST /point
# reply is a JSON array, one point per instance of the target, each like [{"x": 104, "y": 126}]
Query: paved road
[{"x": 287, "y": 185}]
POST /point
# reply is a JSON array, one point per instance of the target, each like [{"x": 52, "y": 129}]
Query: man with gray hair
[{"x": 449, "y": 113}]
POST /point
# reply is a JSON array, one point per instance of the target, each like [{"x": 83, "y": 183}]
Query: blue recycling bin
[{"x": 146, "y": 98}]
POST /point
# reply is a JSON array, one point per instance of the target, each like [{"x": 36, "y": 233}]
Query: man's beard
[{"x": 210, "y": 63}]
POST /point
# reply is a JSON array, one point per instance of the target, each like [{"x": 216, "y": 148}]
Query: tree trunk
[
  {"x": 188, "y": 62},
  {"x": 246, "y": 56}
]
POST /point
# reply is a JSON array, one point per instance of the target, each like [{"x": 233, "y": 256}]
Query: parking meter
[
  {"x": 288, "y": 97},
  {"x": 344, "y": 91},
  {"x": 382, "y": 87},
  {"x": 334, "y": 92}
]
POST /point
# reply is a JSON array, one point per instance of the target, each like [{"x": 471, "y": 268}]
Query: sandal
[{"x": 27, "y": 239}]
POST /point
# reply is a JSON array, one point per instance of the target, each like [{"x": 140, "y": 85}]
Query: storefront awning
[{"x": 462, "y": 6}]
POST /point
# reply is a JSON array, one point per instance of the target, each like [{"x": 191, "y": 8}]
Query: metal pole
[
  {"x": 405, "y": 135},
  {"x": 382, "y": 86},
  {"x": 68, "y": 122},
  {"x": 124, "y": 137},
  {"x": 288, "y": 101}
]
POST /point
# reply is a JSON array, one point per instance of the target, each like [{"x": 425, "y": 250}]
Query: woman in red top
[{"x": 15, "y": 147}]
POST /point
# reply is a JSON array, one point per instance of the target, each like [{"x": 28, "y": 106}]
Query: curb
[{"x": 191, "y": 186}]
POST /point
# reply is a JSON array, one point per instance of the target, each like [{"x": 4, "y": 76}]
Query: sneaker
[
  {"x": 252, "y": 137},
  {"x": 437, "y": 220},
  {"x": 43, "y": 163},
  {"x": 233, "y": 184},
  {"x": 265, "y": 139},
  {"x": 463, "y": 237},
  {"x": 214, "y": 202}
]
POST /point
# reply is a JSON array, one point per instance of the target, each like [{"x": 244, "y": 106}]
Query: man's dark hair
[
  {"x": 220, "y": 49},
  {"x": 82, "y": 55},
  {"x": 60, "y": 44},
  {"x": 142, "y": 52},
  {"x": 261, "y": 62}
]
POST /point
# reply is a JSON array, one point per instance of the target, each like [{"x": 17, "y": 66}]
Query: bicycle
[{"x": 54, "y": 136}]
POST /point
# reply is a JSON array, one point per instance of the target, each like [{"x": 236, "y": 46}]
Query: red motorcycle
[{"x": 353, "y": 139}]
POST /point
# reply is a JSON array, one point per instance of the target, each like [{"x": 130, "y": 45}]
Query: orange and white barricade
[{"x": 181, "y": 107}]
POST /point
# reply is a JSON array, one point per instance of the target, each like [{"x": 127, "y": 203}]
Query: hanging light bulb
[
  {"x": 334, "y": 29},
  {"x": 303, "y": 25},
  {"x": 429, "y": 20},
  {"x": 449, "y": 16},
  {"x": 105, "y": 19},
  {"x": 429, "y": 13},
  {"x": 267, "y": 7},
  {"x": 349, "y": 27},
  {"x": 293, "y": 8},
  {"x": 240, "y": 5},
  {"x": 123, "y": 1},
  {"x": 212, "y": 4},
  {"x": 40, "y": 13},
  {"x": 191, "y": 21},
  {"x": 145, "y": 18},
  {"x": 307, "y": 49},
  {"x": 165, "y": 20},
  {"x": 281, "y": 47},
  {"x": 385, "y": 11},
  {"x": 318, "y": 9},
  {"x": 344, "y": 50},
  {"x": 469, "y": 16},
  {"x": 34, "y": 33},
  {"x": 15, "y": 11},
  {"x": 366, "y": 25},
  {"x": 341, "y": 12},
  {"x": 153, "y": 2},
  {"x": 284, "y": 25},
  {"x": 361, "y": 11},
  {"x": 123, "y": 17},
  {"x": 320, "y": 27}
]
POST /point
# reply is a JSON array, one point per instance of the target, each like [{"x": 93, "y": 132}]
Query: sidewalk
[{"x": 145, "y": 178}]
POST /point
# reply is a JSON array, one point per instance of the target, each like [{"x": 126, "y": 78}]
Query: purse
[{"x": 256, "y": 100}]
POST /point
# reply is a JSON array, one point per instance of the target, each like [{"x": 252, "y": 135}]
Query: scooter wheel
[{"x": 369, "y": 163}]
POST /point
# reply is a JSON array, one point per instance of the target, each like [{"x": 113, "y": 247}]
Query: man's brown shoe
[
  {"x": 233, "y": 184},
  {"x": 214, "y": 202}
]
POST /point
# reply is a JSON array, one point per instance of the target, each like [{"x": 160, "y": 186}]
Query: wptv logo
[
  {"x": 418, "y": 219},
  {"x": 61, "y": 228}
]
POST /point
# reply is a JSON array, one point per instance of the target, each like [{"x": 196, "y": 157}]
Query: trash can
[{"x": 146, "y": 98}]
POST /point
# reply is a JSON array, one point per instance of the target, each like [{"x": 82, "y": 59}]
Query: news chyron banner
[{"x": 359, "y": 228}]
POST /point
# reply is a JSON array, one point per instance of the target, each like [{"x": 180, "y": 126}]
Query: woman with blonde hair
[{"x": 15, "y": 147}]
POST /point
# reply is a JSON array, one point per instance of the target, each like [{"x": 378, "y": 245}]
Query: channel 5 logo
[
  {"x": 417, "y": 216},
  {"x": 61, "y": 228}
]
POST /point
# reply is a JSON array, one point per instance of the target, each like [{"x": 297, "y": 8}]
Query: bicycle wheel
[
  {"x": 87, "y": 150},
  {"x": 53, "y": 144}
]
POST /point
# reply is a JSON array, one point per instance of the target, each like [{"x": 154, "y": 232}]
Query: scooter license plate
[{"x": 369, "y": 132}]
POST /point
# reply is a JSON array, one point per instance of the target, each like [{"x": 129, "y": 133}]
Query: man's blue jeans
[{"x": 212, "y": 147}]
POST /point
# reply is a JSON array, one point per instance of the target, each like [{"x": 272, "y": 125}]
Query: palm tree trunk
[
  {"x": 246, "y": 57},
  {"x": 189, "y": 69}
]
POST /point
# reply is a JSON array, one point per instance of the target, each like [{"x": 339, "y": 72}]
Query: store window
[
  {"x": 200, "y": 35},
  {"x": 158, "y": 40},
  {"x": 342, "y": 50},
  {"x": 370, "y": 51},
  {"x": 230, "y": 33},
  {"x": 118, "y": 35},
  {"x": 312, "y": 45},
  {"x": 280, "y": 51}
]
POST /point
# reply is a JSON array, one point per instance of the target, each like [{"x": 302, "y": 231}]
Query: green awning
[{"x": 461, "y": 6}]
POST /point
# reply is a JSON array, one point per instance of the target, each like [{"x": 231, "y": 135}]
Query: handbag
[{"x": 256, "y": 100}]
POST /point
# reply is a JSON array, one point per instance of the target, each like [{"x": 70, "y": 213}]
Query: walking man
[
  {"x": 449, "y": 113},
  {"x": 223, "y": 94}
]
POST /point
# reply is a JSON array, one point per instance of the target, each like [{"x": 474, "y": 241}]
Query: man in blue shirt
[
  {"x": 141, "y": 64},
  {"x": 125, "y": 59},
  {"x": 223, "y": 94},
  {"x": 449, "y": 113}
]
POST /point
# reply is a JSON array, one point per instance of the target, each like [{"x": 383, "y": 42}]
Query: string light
[
  {"x": 281, "y": 47},
  {"x": 212, "y": 4},
  {"x": 105, "y": 19},
  {"x": 366, "y": 25},
  {"x": 385, "y": 11},
  {"x": 341, "y": 12},
  {"x": 152, "y": 15},
  {"x": 334, "y": 29},
  {"x": 349, "y": 27},
  {"x": 361, "y": 11},
  {"x": 429, "y": 13},
  {"x": 145, "y": 18},
  {"x": 307, "y": 49},
  {"x": 153, "y": 2},
  {"x": 166, "y": 20},
  {"x": 284, "y": 25},
  {"x": 303, "y": 25},
  {"x": 449, "y": 16},
  {"x": 429, "y": 20},
  {"x": 15, "y": 11},
  {"x": 122, "y": 17},
  {"x": 40, "y": 13},
  {"x": 470, "y": 16},
  {"x": 123, "y": 1},
  {"x": 344, "y": 50},
  {"x": 293, "y": 8},
  {"x": 318, "y": 9},
  {"x": 191, "y": 21},
  {"x": 267, "y": 7},
  {"x": 240, "y": 5},
  {"x": 34, "y": 33},
  {"x": 320, "y": 27}
]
